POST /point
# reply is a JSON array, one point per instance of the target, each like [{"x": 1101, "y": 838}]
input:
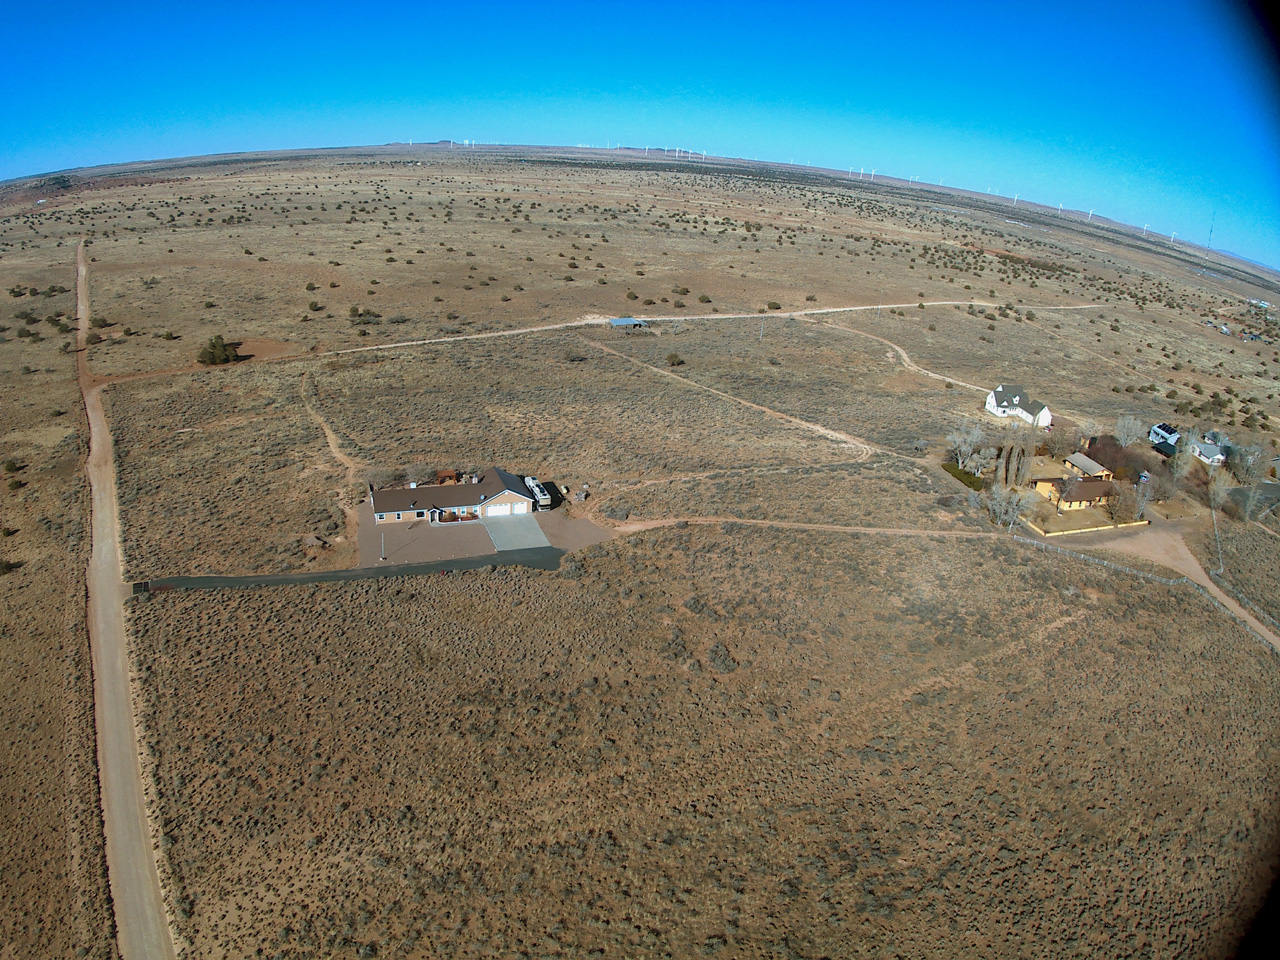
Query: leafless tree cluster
[
  {"x": 1006, "y": 505},
  {"x": 1016, "y": 453},
  {"x": 966, "y": 446},
  {"x": 1129, "y": 430}
]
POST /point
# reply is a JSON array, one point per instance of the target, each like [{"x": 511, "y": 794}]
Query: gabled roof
[
  {"x": 1010, "y": 397},
  {"x": 1086, "y": 464},
  {"x": 1087, "y": 490},
  {"x": 450, "y": 496}
]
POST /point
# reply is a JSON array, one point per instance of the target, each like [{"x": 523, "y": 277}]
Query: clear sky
[{"x": 1161, "y": 111}]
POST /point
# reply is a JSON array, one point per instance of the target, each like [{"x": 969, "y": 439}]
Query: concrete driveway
[{"x": 516, "y": 533}]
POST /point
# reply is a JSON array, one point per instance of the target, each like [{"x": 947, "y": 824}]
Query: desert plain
[{"x": 804, "y": 699}]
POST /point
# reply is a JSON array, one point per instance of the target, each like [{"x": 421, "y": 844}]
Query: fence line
[
  {"x": 1102, "y": 563},
  {"x": 1199, "y": 588},
  {"x": 1235, "y": 592}
]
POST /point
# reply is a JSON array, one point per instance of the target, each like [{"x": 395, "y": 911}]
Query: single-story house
[
  {"x": 1164, "y": 433},
  {"x": 1011, "y": 401},
  {"x": 493, "y": 493},
  {"x": 628, "y": 323},
  {"x": 1071, "y": 493},
  {"x": 1206, "y": 451},
  {"x": 1085, "y": 466}
]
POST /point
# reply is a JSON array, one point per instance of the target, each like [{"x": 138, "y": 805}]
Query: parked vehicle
[{"x": 539, "y": 492}]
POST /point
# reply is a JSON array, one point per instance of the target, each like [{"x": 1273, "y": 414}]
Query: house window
[
  {"x": 397, "y": 516},
  {"x": 421, "y": 514},
  {"x": 382, "y": 516}
]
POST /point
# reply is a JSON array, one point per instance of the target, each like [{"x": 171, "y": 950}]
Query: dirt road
[
  {"x": 141, "y": 922},
  {"x": 1162, "y": 543}
]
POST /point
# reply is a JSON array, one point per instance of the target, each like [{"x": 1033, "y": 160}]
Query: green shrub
[
  {"x": 968, "y": 479},
  {"x": 217, "y": 351}
]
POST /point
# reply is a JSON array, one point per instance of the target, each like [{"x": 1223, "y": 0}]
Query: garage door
[
  {"x": 520, "y": 508},
  {"x": 499, "y": 510}
]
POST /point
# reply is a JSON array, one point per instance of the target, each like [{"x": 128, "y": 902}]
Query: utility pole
[
  {"x": 1209, "y": 246},
  {"x": 383, "y": 554}
]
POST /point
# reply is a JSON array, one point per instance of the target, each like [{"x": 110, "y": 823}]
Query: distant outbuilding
[{"x": 631, "y": 323}]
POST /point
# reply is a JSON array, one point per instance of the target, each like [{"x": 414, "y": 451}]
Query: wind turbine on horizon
[{"x": 1090, "y": 219}]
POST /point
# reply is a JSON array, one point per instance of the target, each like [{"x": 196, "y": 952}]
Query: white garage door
[
  {"x": 520, "y": 508},
  {"x": 499, "y": 510}
]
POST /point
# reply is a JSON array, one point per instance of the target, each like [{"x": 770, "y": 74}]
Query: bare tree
[
  {"x": 1129, "y": 430},
  {"x": 1145, "y": 494},
  {"x": 1123, "y": 504},
  {"x": 1063, "y": 442},
  {"x": 1248, "y": 464},
  {"x": 1024, "y": 453},
  {"x": 1163, "y": 487},
  {"x": 1219, "y": 489},
  {"x": 1180, "y": 462},
  {"x": 1005, "y": 505},
  {"x": 965, "y": 443}
]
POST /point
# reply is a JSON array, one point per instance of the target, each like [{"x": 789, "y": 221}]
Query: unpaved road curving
[
  {"x": 142, "y": 926},
  {"x": 1161, "y": 542}
]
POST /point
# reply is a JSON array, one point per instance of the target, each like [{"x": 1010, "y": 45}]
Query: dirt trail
[
  {"x": 863, "y": 449},
  {"x": 906, "y": 358},
  {"x": 636, "y": 526},
  {"x": 335, "y": 445},
  {"x": 142, "y": 924},
  {"x": 1161, "y": 543}
]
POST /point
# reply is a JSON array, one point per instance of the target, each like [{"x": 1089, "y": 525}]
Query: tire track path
[{"x": 863, "y": 449}]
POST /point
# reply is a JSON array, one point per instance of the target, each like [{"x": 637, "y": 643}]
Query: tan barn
[{"x": 493, "y": 493}]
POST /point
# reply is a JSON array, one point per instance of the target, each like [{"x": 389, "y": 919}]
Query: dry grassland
[
  {"x": 550, "y": 404},
  {"x": 882, "y": 492},
  {"x": 1248, "y": 560},
  {"x": 720, "y": 740},
  {"x": 53, "y": 883},
  {"x": 224, "y": 472},
  {"x": 713, "y": 741}
]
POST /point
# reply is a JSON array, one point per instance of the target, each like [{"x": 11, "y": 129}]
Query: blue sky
[{"x": 1149, "y": 112}]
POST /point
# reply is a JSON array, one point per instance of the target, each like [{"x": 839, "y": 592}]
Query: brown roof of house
[
  {"x": 449, "y": 496},
  {"x": 1087, "y": 490}
]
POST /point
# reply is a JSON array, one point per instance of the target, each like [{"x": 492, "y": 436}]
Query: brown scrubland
[{"x": 716, "y": 737}]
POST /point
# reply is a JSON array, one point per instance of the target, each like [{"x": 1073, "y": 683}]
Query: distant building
[
  {"x": 628, "y": 323},
  {"x": 1164, "y": 433},
  {"x": 493, "y": 493},
  {"x": 1011, "y": 401}
]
